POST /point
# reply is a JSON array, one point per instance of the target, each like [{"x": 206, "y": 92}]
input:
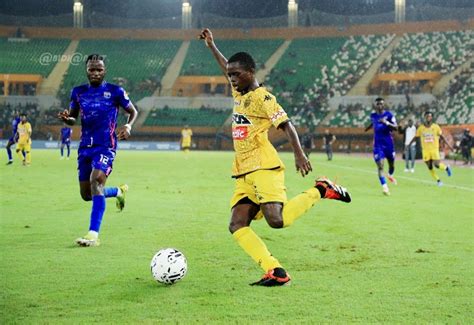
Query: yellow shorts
[
  {"x": 261, "y": 186},
  {"x": 432, "y": 154},
  {"x": 23, "y": 146}
]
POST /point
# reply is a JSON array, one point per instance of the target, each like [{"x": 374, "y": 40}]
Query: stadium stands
[
  {"x": 331, "y": 66},
  {"x": 457, "y": 107},
  {"x": 199, "y": 60},
  {"x": 190, "y": 116},
  {"x": 436, "y": 51},
  {"x": 31, "y": 56},
  {"x": 137, "y": 65},
  {"x": 7, "y": 110}
]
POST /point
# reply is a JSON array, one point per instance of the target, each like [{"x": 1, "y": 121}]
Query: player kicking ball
[
  {"x": 98, "y": 103},
  {"x": 258, "y": 171}
]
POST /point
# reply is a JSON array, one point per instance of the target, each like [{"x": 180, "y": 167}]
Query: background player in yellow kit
[
  {"x": 24, "y": 140},
  {"x": 429, "y": 134},
  {"x": 186, "y": 135},
  {"x": 260, "y": 189}
]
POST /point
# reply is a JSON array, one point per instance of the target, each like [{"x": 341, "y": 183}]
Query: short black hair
[
  {"x": 244, "y": 59},
  {"x": 94, "y": 57},
  {"x": 23, "y": 114},
  {"x": 379, "y": 99},
  {"x": 428, "y": 112}
]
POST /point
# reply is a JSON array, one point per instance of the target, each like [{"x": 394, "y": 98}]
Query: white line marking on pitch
[{"x": 398, "y": 177}]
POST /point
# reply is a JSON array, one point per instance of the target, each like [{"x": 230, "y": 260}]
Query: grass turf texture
[{"x": 406, "y": 258}]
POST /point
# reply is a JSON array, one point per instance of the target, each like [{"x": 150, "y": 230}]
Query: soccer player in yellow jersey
[
  {"x": 259, "y": 173},
  {"x": 24, "y": 140},
  {"x": 429, "y": 134},
  {"x": 186, "y": 135}
]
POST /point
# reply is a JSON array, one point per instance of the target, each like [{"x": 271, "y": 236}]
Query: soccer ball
[{"x": 168, "y": 266}]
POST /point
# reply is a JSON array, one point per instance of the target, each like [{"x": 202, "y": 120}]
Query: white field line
[{"x": 397, "y": 176}]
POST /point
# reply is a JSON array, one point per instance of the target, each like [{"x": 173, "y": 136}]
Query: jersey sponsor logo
[
  {"x": 107, "y": 94},
  {"x": 240, "y": 132},
  {"x": 240, "y": 119}
]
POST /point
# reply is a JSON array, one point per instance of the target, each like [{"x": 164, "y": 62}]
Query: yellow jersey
[
  {"x": 24, "y": 133},
  {"x": 186, "y": 137},
  {"x": 254, "y": 114},
  {"x": 429, "y": 136}
]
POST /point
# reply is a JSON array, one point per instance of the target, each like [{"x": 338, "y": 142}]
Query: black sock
[
  {"x": 279, "y": 272},
  {"x": 321, "y": 189}
]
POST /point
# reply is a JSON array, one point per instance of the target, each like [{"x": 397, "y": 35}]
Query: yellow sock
[
  {"x": 434, "y": 175},
  {"x": 256, "y": 248},
  {"x": 442, "y": 166},
  {"x": 28, "y": 157},
  {"x": 298, "y": 205}
]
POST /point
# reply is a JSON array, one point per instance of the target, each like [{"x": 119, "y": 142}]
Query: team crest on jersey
[
  {"x": 240, "y": 119},
  {"x": 107, "y": 94},
  {"x": 267, "y": 97},
  {"x": 247, "y": 102}
]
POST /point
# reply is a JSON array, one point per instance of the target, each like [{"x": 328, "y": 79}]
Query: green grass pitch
[{"x": 407, "y": 258}]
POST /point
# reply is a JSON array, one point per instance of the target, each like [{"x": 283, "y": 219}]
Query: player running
[
  {"x": 66, "y": 133},
  {"x": 23, "y": 147},
  {"x": 98, "y": 103},
  {"x": 16, "y": 120},
  {"x": 383, "y": 123},
  {"x": 429, "y": 134},
  {"x": 259, "y": 173}
]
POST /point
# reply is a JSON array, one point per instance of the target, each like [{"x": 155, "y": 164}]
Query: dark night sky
[{"x": 228, "y": 8}]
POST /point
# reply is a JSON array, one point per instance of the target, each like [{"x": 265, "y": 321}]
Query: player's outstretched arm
[
  {"x": 123, "y": 132},
  {"x": 303, "y": 165},
  {"x": 206, "y": 35},
  {"x": 68, "y": 116},
  {"x": 446, "y": 141},
  {"x": 368, "y": 127}
]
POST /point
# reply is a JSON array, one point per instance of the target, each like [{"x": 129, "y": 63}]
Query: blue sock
[
  {"x": 98, "y": 209},
  {"x": 382, "y": 180},
  {"x": 9, "y": 152},
  {"x": 110, "y": 191},
  {"x": 62, "y": 151},
  {"x": 68, "y": 150}
]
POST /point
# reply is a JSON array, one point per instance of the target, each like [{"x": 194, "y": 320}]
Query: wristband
[{"x": 129, "y": 127}]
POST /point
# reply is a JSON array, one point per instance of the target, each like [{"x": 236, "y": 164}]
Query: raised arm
[
  {"x": 303, "y": 165},
  {"x": 206, "y": 35}
]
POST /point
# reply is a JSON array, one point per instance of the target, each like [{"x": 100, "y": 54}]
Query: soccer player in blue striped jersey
[
  {"x": 383, "y": 122},
  {"x": 98, "y": 104},
  {"x": 66, "y": 133},
  {"x": 13, "y": 139}
]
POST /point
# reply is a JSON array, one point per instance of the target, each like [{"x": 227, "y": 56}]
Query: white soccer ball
[{"x": 168, "y": 266}]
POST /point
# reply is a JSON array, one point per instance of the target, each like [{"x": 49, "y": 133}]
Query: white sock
[
  {"x": 119, "y": 191},
  {"x": 93, "y": 234}
]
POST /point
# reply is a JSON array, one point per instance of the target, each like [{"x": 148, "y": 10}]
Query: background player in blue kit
[
  {"x": 383, "y": 123},
  {"x": 13, "y": 139},
  {"x": 98, "y": 103},
  {"x": 66, "y": 133}
]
